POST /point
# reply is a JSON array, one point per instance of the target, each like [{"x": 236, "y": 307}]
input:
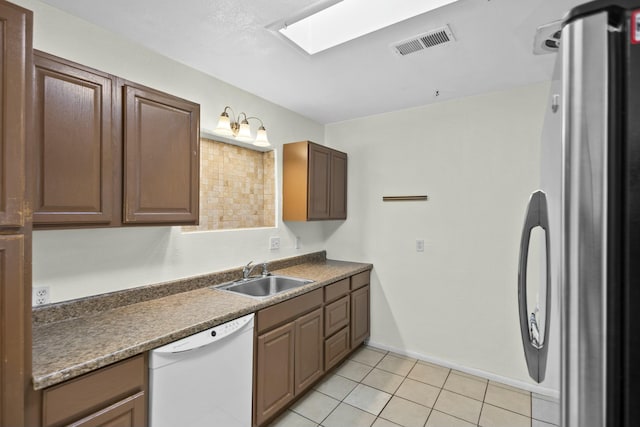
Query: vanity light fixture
[{"x": 240, "y": 129}]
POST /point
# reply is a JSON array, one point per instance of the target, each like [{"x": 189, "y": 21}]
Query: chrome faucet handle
[
  {"x": 246, "y": 270},
  {"x": 265, "y": 269}
]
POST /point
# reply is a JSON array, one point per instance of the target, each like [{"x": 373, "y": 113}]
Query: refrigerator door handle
[{"x": 535, "y": 350}]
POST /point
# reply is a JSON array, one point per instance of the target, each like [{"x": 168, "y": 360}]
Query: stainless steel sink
[{"x": 262, "y": 287}]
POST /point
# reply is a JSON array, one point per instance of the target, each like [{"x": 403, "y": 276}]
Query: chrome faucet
[{"x": 247, "y": 269}]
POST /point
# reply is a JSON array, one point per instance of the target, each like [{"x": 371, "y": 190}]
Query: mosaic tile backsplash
[{"x": 237, "y": 187}]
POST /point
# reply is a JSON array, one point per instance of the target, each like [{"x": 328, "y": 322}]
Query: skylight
[{"x": 349, "y": 19}]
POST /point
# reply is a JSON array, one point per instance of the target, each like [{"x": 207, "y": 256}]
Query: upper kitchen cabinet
[
  {"x": 314, "y": 182},
  {"x": 74, "y": 148},
  {"x": 15, "y": 39},
  {"x": 161, "y": 157},
  {"x": 338, "y": 189},
  {"x": 109, "y": 152}
]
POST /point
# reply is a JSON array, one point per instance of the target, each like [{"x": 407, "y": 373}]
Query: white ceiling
[{"x": 228, "y": 40}]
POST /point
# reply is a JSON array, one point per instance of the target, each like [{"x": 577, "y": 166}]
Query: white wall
[
  {"x": 478, "y": 160},
  {"x": 77, "y": 263}
]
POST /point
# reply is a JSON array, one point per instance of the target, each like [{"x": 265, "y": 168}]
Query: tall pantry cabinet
[{"x": 15, "y": 213}]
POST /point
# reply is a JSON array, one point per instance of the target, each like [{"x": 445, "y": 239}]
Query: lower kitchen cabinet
[
  {"x": 359, "y": 316},
  {"x": 274, "y": 377},
  {"x": 299, "y": 340},
  {"x": 288, "y": 358},
  {"x": 114, "y": 396},
  {"x": 308, "y": 354}
]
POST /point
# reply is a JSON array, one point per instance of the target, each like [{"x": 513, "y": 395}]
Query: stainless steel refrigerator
[{"x": 589, "y": 210}]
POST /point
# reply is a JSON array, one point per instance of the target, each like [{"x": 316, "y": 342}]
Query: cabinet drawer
[
  {"x": 360, "y": 279},
  {"x": 336, "y": 290},
  {"x": 129, "y": 412},
  {"x": 93, "y": 392},
  {"x": 336, "y": 316},
  {"x": 336, "y": 348},
  {"x": 287, "y": 310}
]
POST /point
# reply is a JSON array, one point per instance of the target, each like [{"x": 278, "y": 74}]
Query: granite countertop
[{"x": 67, "y": 348}]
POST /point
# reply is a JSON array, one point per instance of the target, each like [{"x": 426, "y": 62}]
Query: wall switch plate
[
  {"x": 419, "y": 245},
  {"x": 274, "y": 243},
  {"x": 39, "y": 295}
]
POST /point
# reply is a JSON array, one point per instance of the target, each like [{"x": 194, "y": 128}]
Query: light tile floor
[{"x": 383, "y": 389}]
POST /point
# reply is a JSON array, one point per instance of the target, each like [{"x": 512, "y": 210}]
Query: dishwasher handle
[{"x": 208, "y": 336}]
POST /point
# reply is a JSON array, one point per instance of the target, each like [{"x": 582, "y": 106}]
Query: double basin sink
[{"x": 263, "y": 287}]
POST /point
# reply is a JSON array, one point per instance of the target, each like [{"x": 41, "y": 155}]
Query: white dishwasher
[{"x": 204, "y": 379}]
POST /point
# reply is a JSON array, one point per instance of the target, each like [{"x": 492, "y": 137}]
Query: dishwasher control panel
[{"x": 206, "y": 337}]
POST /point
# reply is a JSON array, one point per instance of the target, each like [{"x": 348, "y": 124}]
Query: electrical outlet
[
  {"x": 298, "y": 242},
  {"x": 274, "y": 243},
  {"x": 419, "y": 245},
  {"x": 39, "y": 295}
]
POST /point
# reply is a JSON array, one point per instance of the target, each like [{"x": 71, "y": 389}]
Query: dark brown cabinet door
[
  {"x": 274, "y": 380},
  {"x": 15, "y": 39},
  {"x": 338, "y": 205},
  {"x": 161, "y": 166},
  {"x": 12, "y": 328},
  {"x": 359, "y": 316},
  {"x": 319, "y": 182},
  {"x": 73, "y": 143},
  {"x": 308, "y": 355},
  {"x": 15, "y": 219}
]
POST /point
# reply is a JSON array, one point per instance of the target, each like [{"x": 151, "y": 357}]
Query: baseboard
[{"x": 555, "y": 394}]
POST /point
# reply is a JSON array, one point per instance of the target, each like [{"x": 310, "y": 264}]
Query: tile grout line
[
  {"x": 509, "y": 410},
  {"x": 484, "y": 397},
  {"x": 392, "y": 394},
  {"x": 357, "y": 382},
  {"x": 437, "y": 397}
]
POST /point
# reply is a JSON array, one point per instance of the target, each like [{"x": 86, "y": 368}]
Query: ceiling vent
[{"x": 424, "y": 41}]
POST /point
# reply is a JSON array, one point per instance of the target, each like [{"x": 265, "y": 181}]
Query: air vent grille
[
  {"x": 423, "y": 41},
  {"x": 435, "y": 39},
  {"x": 409, "y": 47}
]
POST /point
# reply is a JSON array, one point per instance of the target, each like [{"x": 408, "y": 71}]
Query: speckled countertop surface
[{"x": 65, "y": 349}]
